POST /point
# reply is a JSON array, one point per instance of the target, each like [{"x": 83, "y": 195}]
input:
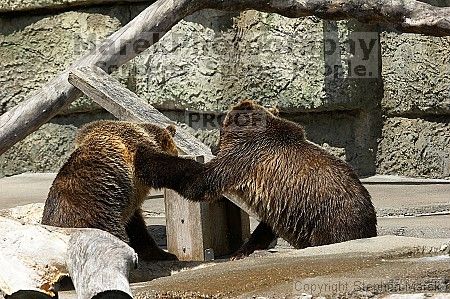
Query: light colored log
[
  {"x": 125, "y": 105},
  {"x": 32, "y": 258},
  {"x": 404, "y": 15},
  {"x": 98, "y": 262},
  {"x": 36, "y": 257}
]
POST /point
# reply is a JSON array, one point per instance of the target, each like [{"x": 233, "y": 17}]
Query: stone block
[
  {"x": 415, "y": 147},
  {"x": 416, "y": 74},
  {"x": 43, "y": 151},
  {"x": 35, "y": 48},
  {"x": 212, "y": 59}
]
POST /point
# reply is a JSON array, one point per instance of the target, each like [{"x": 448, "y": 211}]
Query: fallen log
[
  {"x": 100, "y": 263},
  {"x": 146, "y": 29},
  {"x": 32, "y": 257},
  {"x": 35, "y": 259}
]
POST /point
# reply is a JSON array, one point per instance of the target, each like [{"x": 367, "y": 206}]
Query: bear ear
[
  {"x": 246, "y": 105},
  {"x": 274, "y": 111},
  {"x": 172, "y": 129}
]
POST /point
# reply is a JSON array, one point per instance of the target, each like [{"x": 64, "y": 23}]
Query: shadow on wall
[{"x": 353, "y": 79}]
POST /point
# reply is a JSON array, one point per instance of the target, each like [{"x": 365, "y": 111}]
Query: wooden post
[
  {"x": 203, "y": 231},
  {"x": 195, "y": 231}
]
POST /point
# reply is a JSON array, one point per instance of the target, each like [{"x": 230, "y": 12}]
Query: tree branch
[{"x": 404, "y": 15}]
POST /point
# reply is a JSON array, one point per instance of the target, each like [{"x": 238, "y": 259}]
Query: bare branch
[{"x": 403, "y": 15}]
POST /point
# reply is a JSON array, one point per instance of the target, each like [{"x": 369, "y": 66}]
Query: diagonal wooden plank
[
  {"x": 125, "y": 105},
  {"x": 41, "y": 105}
]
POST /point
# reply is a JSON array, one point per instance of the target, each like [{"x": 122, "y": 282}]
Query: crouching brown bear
[
  {"x": 97, "y": 186},
  {"x": 299, "y": 191}
]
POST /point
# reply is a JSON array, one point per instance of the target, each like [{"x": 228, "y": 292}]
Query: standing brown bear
[
  {"x": 299, "y": 191},
  {"x": 97, "y": 186}
]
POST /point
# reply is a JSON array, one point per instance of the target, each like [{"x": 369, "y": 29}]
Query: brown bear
[
  {"x": 97, "y": 186},
  {"x": 299, "y": 191}
]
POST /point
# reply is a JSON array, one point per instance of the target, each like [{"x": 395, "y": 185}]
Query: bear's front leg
[
  {"x": 160, "y": 170},
  {"x": 260, "y": 239},
  {"x": 142, "y": 242}
]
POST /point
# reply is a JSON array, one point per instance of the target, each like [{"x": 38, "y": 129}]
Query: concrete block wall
[{"x": 393, "y": 119}]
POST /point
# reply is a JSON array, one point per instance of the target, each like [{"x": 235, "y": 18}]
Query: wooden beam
[
  {"x": 99, "y": 262},
  {"x": 125, "y": 105}
]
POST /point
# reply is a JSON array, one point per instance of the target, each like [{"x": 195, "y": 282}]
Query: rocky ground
[{"x": 409, "y": 257}]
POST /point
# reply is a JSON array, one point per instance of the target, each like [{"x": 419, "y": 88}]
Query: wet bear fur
[
  {"x": 97, "y": 186},
  {"x": 299, "y": 191}
]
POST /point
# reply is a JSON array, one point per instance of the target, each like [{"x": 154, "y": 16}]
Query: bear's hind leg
[
  {"x": 261, "y": 238},
  {"x": 142, "y": 242}
]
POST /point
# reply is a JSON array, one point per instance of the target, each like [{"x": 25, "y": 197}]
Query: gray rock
[
  {"x": 212, "y": 59},
  {"x": 43, "y": 151},
  {"x": 415, "y": 147},
  {"x": 36, "y": 48},
  {"x": 416, "y": 73}
]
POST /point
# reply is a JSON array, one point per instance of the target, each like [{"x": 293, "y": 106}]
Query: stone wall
[
  {"x": 393, "y": 119},
  {"x": 416, "y": 105}
]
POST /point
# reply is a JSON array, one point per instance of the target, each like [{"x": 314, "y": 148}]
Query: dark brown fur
[
  {"x": 97, "y": 186},
  {"x": 300, "y": 192}
]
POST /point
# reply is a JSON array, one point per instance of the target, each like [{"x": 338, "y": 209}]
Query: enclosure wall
[{"x": 393, "y": 119}]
